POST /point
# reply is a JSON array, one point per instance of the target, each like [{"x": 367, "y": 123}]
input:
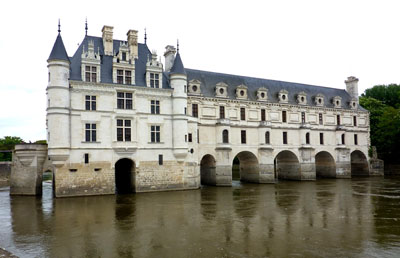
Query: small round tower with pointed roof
[
  {"x": 58, "y": 102},
  {"x": 178, "y": 80}
]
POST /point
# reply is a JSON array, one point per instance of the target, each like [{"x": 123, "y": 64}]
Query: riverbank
[{"x": 6, "y": 254}]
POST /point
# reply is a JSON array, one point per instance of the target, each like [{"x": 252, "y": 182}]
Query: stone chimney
[
  {"x": 108, "y": 40},
  {"x": 133, "y": 43},
  {"x": 352, "y": 87},
  {"x": 169, "y": 57}
]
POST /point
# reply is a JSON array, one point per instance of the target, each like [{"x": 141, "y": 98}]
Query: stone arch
[
  {"x": 124, "y": 176},
  {"x": 359, "y": 164},
  {"x": 325, "y": 166},
  {"x": 287, "y": 166},
  {"x": 249, "y": 167},
  {"x": 207, "y": 170}
]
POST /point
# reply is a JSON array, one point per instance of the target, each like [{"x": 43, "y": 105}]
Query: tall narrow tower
[
  {"x": 178, "y": 80},
  {"x": 58, "y": 103}
]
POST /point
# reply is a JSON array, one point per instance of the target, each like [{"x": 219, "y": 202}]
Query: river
[{"x": 324, "y": 218}]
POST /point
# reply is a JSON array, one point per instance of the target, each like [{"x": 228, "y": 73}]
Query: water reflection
[{"x": 326, "y": 218}]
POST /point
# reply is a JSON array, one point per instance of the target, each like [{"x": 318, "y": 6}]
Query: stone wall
[
  {"x": 5, "y": 170},
  {"x": 77, "y": 179}
]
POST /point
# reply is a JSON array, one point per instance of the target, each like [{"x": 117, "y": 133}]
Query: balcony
[
  {"x": 265, "y": 124},
  {"x": 125, "y": 147},
  {"x": 224, "y": 121}
]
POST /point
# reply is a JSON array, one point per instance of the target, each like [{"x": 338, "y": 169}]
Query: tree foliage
[
  {"x": 383, "y": 103},
  {"x": 7, "y": 144}
]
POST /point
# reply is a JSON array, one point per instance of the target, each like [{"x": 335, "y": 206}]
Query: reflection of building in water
[{"x": 119, "y": 120}]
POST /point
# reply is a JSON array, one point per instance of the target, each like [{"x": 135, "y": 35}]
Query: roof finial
[
  {"x": 59, "y": 26},
  {"x": 86, "y": 27},
  {"x": 145, "y": 36},
  {"x": 177, "y": 45}
]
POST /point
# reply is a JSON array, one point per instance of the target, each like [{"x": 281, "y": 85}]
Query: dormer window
[
  {"x": 283, "y": 96},
  {"x": 221, "y": 90},
  {"x": 353, "y": 103},
  {"x": 90, "y": 73},
  {"x": 194, "y": 87},
  {"x": 262, "y": 94},
  {"x": 319, "y": 100},
  {"x": 154, "y": 80},
  {"x": 124, "y": 77},
  {"x": 241, "y": 92},
  {"x": 123, "y": 56},
  {"x": 337, "y": 102},
  {"x": 302, "y": 98}
]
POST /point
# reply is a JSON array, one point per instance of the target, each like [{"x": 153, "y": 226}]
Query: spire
[
  {"x": 177, "y": 45},
  {"x": 178, "y": 67},
  {"x": 58, "y": 52},
  {"x": 86, "y": 27},
  {"x": 145, "y": 36}
]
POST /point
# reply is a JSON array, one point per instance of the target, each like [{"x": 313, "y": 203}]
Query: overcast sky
[{"x": 307, "y": 41}]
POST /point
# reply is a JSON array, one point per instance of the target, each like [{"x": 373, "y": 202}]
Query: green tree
[
  {"x": 388, "y": 94},
  {"x": 8, "y": 143}
]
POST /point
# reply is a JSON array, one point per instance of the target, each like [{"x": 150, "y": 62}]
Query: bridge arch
[
  {"x": 207, "y": 170},
  {"x": 124, "y": 176},
  {"x": 359, "y": 164},
  {"x": 287, "y": 166},
  {"x": 325, "y": 166},
  {"x": 247, "y": 164}
]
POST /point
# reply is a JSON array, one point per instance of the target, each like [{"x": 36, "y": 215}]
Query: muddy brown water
[{"x": 325, "y": 218}]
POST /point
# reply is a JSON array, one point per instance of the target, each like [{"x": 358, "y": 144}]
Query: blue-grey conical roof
[
  {"x": 58, "y": 52},
  {"x": 178, "y": 67}
]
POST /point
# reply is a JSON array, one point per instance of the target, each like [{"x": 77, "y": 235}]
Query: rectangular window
[
  {"x": 321, "y": 138},
  {"x": 86, "y": 158},
  {"x": 90, "y": 102},
  {"x": 262, "y": 114},
  {"x": 221, "y": 112},
  {"x": 355, "y": 139},
  {"x": 155, "y": 106},
  {"x": 284, "y": 116},
  {"x": 123, "y": 130},
  {"x": 90, "y": 132},
  {"x": 195, "y": 110},
  {"x": 155, "y": 133},
  {"x": 284, "y": 137},
  {"x": 90, "y": 73},
  {"x": 128, "y": 77},
  {"x": 185, "y": 138},
  {"x": 124, "y": 100},
  {"x": 338, "y": 119},
  {"x": 198, "y": 136},
  {"x": 160, "y": 159},
  {"x": 123, "y": 56},
  {"x": 303, "y": 117},
  {"x": 320, "y": 119},
  {"x": 243, "y": 136},
  {"x": 190, "y": 138},
  {"x": 154, "y": 80},
  {"x": 242, "y": 114},
  {"x": 354, "y": 120},
  {"x": 120, "y": 76}
]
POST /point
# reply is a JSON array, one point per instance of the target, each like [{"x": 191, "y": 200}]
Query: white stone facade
[{"x": 106, "y": 137}]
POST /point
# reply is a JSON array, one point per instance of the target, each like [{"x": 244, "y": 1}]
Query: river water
[{"x": 325, "y": 218}]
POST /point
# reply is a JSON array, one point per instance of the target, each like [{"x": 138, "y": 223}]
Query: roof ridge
[{"x": 258, "y": 78}]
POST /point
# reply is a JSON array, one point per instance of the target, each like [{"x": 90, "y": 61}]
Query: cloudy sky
[{"x": 317, "y": 42}]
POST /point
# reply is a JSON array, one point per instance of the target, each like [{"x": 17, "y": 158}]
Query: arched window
[
  {"x": 267, "y": 137},
  {"x": 343, "y": 141},
  {"x": 225, "y": 136},
  {"x": 307, "y": 138}
]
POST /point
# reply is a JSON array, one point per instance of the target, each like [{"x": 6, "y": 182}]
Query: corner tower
[
  {"x": 178, "y": 81},
  {"x": 58, "y": 103}
]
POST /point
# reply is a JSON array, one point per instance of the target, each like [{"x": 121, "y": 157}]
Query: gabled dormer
[
  {"x": 123, "y": 65},
  {"x": 302, "y": 98},
  {"x": 154, "y": 70},
  {"x": 194, "y": 87},
  {"x": 283, "y": 96},
  {"x": 337, "y": 102},
  {"x": 90, "y": 66},
  {"x": 262, "y": 94},
  {"x": 221, "y": 90},
  {"x": 319, "y": 100},
  {"x": 241, "y": 92},
  {"x": 353, "y": 103}
]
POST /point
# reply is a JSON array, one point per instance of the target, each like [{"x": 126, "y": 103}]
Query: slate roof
[
  {"x": 107, "y": 62},
  {"x": 178, "y": 67},
  {"x": 210, "y": 79},
  {"x": 58, "y": 52}
]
